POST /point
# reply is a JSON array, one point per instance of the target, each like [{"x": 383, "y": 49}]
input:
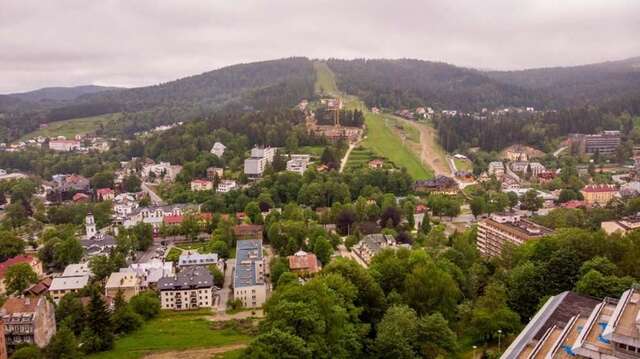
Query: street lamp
[
  {"x": 474, "y": 351},
  {"x": 499, "y": 335}
]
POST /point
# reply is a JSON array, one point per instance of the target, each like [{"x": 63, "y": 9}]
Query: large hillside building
[{"x": 501, "y": 228}]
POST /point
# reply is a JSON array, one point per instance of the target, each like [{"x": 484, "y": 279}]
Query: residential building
[
  {"x": 254, "y": 167},
  {"x": 227, "y": 186},
  {"x": 32, "y": 261},
  {"x": 81, "y": 198},
  {"x": 213, "y": 172},
  {"x": 439, "y": 185},
  {"x": 129, "y": 283},
  {"x": 496, "y": 168},
  {"x": 248, "y": 280},
  {"x": 298, "y": 163},
  {"x": 64, "y": 145},
  {"x": 71, "y": 183},
  {"x": 193, "y": 258},
  {"x": 151, "y": 272},
  {"x": 105, "y": 194},
  {"x": 163, "y": 170},
  {"x": 621, "y": 226},
  {"x": 77, "y": 269},
  {"x": 376, "y": 164},
  {"x": 191, "y": 288},
  {"x": 201, "y": 185},
  {"x": 123, "y": 205},
  {"x": 218, "y": 149},
  {"x": 28, "y": 320},
  {"x": 571, "y": 325},
  {"x": 155, "y": 215},
  {"x": 95, "y": 242},
  {"x": 599, "y": 194},
  {"x": 304, "y": 263},
  {"x": 248, "y": 231},
  {"x": 38, "y": 289},
  {"x": 604, "y": 143},
  {"x": 525, "y": 167},
  {"x": 63, "y": 285},
  {"x": 509, "y": 227},
  {"x": 372, "y": 244},
  {"x": 267, "y": 153}
]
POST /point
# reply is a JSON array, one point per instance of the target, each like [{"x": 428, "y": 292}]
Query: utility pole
[{"x": 499, "y": 335}]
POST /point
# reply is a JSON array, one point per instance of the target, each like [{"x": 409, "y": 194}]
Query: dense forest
[
  {"x": 539, "y": 130},
  {"x": 411, "y": 83},
  {"x": 255, "y": 86}
]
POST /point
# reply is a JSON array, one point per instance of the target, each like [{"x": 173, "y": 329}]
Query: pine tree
[
  {"x": 63, "y": 345},
  {"x": 98, "y": 334}
]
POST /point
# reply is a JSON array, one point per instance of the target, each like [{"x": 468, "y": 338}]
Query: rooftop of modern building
[
  {"x": 248, "y": 253},
  {"x": 69, "y": 283},
  {"x": 194, "y": 277}
]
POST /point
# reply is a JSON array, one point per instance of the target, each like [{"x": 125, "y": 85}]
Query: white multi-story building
[
  {"x": 155, "y": 215},
  {"x": 264, "y": 152},
  {"x": 298, "y": 163},
  {"x": 254, "y": 167},
  {"x": 162, "y": 170},
  {"x": 496, "y": 168},
  {"x": 191, "y": 288},
  {"x": 218, "y": 149},
  {"x": 248, "y": 281},
  {"x": 227, "y": 186},
  {"x": 151, "y": 272},
  {"x": 73, "y": 279},
  {"x": 501, "y": 228},
  {"x": 124, "y": 204},
  {"x": 64, "y": 145}
]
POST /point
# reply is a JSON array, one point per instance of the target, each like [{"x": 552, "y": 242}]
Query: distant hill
[
  {"x": 410, "y": 83},
  {"x": 61, "y": 93},
  {"x": 578, "y": 85}
]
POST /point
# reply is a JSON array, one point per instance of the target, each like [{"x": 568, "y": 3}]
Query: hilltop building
[
  {"x": 599, "y": 194},
  {"x": 218, "y": 149},
  {"x": 604, "y": 143}
]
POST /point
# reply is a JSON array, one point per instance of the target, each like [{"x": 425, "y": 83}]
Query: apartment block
[{"x": 501, "y": 228}]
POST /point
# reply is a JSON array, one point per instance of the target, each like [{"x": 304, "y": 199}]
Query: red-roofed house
[
  {"x": 573, "y": 204},
  {"x": 421, "y": 208},
  {"x": 201, "y": 185},
  {"x": 34, "y": 262},
  {"x": 304, "y": 263},
  {"x": 599, "y": 194},
  {"x": 105, "y": 194},
  {"x": 172, "y": 220},
  {"x": 80, "y": 198}
]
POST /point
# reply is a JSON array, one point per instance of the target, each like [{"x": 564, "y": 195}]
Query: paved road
[
  {"x": 143, "y": 257},
  {"x": 559, "y": 151},
  {"x": 155, "y": 199},
  {"x": 343, "y": 162}
]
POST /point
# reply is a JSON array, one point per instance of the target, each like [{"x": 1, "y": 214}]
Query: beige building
[
  {"x": 28, "y": 320},
  {"x": 622, "y": 226},
  {"x": 201, "y": 185},
  {"x": 501, "y": 228},
  {"x": 599, "y": 194},
  {"x": 127, "y": 282},
  {"x": 63, "y": 285},
  {"x": 372, "y": 244},
  {"x": 574, "y": 326}
]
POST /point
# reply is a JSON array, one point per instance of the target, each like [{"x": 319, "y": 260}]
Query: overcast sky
[{"x": 136, "y": 42}]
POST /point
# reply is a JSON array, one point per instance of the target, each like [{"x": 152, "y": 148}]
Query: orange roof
[
  {"x": 13, "y": 261},
  {"x": 177, "y": 219},
  {"x": 103, "y": 191},
  {"x": 201, "y": 181},
  {"x": 600, "y": 188},
  {"x": 303, "y": 261}
]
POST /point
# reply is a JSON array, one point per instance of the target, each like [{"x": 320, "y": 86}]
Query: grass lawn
[
  {"x": 76, "y": 126},
  {"x": 172, "y": 331},
  {"x": 325, "y": 80},
  {"x": 383, "y": 142},
  {"x": 463, "y": 165},
  {"x": 311, "y": 150}
]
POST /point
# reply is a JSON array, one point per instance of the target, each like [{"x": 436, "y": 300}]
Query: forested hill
[
  {"x": 411, "y": 83},
  {"x": 578, "y": 85},
  {"x": 60, "y": 93},
  {"x": 259, "y": 85}
]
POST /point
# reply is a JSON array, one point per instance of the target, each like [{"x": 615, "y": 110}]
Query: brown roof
[
  {"x": 39, "y": 288},
  {"x": 303, "y": 261},
  {"x": 244, "y": 229},
  {"x": 13, "y": 261},
  {"x": 19, "y": 305},
  {"x": 600, "y": 188}
]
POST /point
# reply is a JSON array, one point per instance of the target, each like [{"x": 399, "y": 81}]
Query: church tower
[{"x": 90, "y": 225}]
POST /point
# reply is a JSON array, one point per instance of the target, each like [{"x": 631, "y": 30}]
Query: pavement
[
  {"x": 345, "y": 159},
  {"x": 146, "y": 256},
  {"x": 155, "y": 199}
]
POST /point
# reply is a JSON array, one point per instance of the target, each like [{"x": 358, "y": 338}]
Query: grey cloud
[{"x": 135, "y": 43}]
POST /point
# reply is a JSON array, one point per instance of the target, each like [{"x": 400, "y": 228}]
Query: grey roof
[
  {"x": 247, "y": 253},
  {"x": 189, "y": 278},
  {"x": 377, "y": 240},
  {"x": 167, "y": 208},
  {"x": 98, "y": 243}
]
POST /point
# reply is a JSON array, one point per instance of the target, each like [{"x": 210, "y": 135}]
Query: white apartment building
[
  {"x": 298, "y": 163},
  {"x": 248, "y": 280},
  {"x": 218, "y": 149},
  {"x": 227, "y": 186},
  {"x": 191, "y": 288},
  {"x": 64, "y": 145}
]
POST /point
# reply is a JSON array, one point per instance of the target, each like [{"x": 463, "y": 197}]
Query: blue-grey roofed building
[{"x": 248, "y": 279}]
